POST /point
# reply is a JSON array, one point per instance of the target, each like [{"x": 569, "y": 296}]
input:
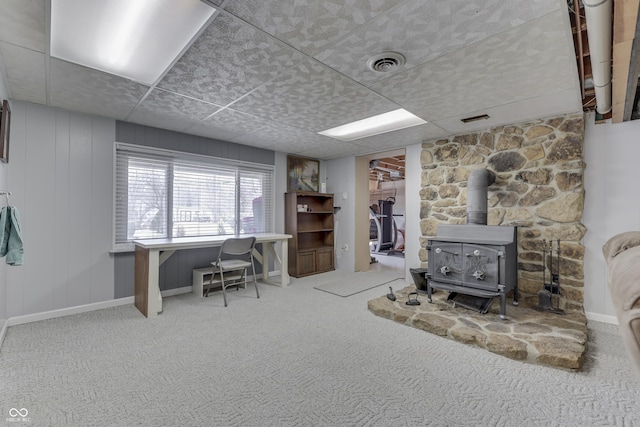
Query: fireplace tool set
[{"x": 546, "y": 295}]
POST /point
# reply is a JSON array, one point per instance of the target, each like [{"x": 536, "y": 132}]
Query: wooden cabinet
[{"x": 309, "y": 219}]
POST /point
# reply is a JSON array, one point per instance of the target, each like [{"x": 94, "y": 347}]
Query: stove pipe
[{"x": 479, "y": 180}]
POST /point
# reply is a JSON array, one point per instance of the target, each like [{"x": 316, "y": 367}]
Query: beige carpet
[{"x": 294, "y": 357}]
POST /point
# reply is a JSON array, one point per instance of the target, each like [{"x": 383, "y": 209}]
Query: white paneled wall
[
  {"x": 612, "y": 202},
  {"x": 61, "y": 178}
]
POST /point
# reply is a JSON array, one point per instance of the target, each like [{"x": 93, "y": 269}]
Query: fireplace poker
[{"x": 544, "y": 263}]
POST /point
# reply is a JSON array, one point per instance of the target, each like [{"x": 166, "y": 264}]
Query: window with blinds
[{"x": 163, "y": 194}]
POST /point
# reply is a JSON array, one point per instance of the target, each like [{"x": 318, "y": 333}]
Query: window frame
[{"x": 192, "y": 159}]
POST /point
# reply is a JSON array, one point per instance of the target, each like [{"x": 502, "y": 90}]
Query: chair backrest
[{"x": 238, "y": 246}]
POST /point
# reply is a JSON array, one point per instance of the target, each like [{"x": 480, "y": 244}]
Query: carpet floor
[{"x": 294, "y": 357}]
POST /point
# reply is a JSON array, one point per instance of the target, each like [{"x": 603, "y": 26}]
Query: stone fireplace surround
[
  {"x": 539, "y": 168},
  {"x": 539, "y": 188}
]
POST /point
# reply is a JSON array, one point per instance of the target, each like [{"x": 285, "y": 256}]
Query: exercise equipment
[{"x": 383, "y": 231}]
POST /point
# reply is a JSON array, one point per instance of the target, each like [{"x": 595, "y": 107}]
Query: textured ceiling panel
[
  {"x": 333, "y": 150},
  {"x": 557, "y": 103},
  {"x": 424, "y": 30},
  {"x": 228, "y": 60},
  {"x": 313, "y": 97},
  {"x": 226, "y": 124},
  {"x": 528, "y": 61},
  {"x": 167, "y": 110},
  {"x": 401, "y": 138},
  {"x": 256, "y": 75},
  {"x": 22, "y": 23},
  {"x": 89, "y": 91},
  {"x": 308, "y": 25},
  {"x": 25, "y": 73}
]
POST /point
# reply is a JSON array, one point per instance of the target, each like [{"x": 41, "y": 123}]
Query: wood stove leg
[
  {"x": 503, "y": 306},
  {"x": 428, "y": 291},
  {"x": 515, "y": 295}
]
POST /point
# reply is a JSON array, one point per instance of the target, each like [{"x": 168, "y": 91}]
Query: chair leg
[
  {"x": 224, "y": 288},
  {"x": 255, "y": 282},
  {"x": 206, "y": 294}
]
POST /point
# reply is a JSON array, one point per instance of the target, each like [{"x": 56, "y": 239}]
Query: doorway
[{"x": 382, "y": 245}]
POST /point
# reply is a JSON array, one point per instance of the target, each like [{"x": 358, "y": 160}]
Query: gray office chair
[{"x": 230, "y": 269}]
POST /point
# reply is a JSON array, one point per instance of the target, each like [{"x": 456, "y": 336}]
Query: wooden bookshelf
[{"x": 309, "y": 219}]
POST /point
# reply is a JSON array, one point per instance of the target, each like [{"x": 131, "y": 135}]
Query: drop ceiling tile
[
  {"x": 243, "y": 128},
  {"x": 230, "y": 59},
  {"x": 422, "y": 31},
  {"x": 308, "y": 25},
  {"x": 553, "y": 104},
  {"x": 313, "y": 97},
  {"x": 401, "y": 138},
  {"x": 532, "y": 59},
  {"x": 333, "y": 150},
  {"x": 78, "y": 88},
  {"x": 22, "y": 23},
  {"x": 168, "y": 110},
  {"x": 25, "y": 70},
  {"x": 228, "y": 124}
]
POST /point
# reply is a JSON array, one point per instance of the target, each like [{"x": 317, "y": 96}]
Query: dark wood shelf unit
[{"x": 311, "y": 249}]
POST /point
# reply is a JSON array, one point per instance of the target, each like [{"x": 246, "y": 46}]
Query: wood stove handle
[{"x": 439, "y": 250}]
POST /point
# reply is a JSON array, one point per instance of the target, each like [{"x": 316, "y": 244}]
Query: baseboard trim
[
  {"x": 52, "y": 314},
  {"x": 176, "y": 291},
  {"x": 604, "y": 318},
  {"x": 3, "y": 330},
  {"x": 36, "y": 317}
]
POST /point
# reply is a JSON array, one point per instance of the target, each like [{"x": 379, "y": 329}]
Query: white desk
[{"x": 152, "y": 253}]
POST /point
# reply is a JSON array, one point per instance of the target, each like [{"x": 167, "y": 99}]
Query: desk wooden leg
[
  {"x": 284, "y": 264},
  {"x": 141, "y": 295},
  {"x": 268, "y": 250},
  {"x": 282, "y": 260},
  {"x": 147, "y": 297}
]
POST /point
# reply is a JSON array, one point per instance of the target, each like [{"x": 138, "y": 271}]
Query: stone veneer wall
[{"x": 539, "y": 188}]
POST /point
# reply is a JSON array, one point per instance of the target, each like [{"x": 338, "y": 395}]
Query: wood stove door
[
  {"x": 480, "y": 266},
  {"x": 446, "y": 259}
]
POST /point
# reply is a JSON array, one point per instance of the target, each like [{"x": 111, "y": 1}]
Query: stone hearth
[{"x": 529, "y": 335}]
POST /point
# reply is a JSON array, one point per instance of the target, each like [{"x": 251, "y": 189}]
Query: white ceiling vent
[{"x": 385, "y": 62}]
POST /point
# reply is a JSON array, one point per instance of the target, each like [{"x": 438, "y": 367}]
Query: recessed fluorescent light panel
[
  {"x": 375, "y": 125},
  {"x": 135, "y": 39}
]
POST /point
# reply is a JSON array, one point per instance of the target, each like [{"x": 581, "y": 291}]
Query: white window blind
[{"x": 161, "y": 193}]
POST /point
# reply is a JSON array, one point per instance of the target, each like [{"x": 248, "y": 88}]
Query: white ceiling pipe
[{"x": 598, "y": 15}]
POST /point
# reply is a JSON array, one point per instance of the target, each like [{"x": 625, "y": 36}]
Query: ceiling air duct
[
  {"x": 386, "y": 62},
  {"x": 598, "y": 16}
]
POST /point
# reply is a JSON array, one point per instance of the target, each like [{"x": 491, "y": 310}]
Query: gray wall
[
  {"x": 340, "y": 181},
  {"x": 176, "y": 271},
  {"x": 4, "y": 94},
  {"x": 61, "y": 178}
]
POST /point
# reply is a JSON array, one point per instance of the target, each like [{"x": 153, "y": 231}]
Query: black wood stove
[{"x": 474, "y": 260}]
